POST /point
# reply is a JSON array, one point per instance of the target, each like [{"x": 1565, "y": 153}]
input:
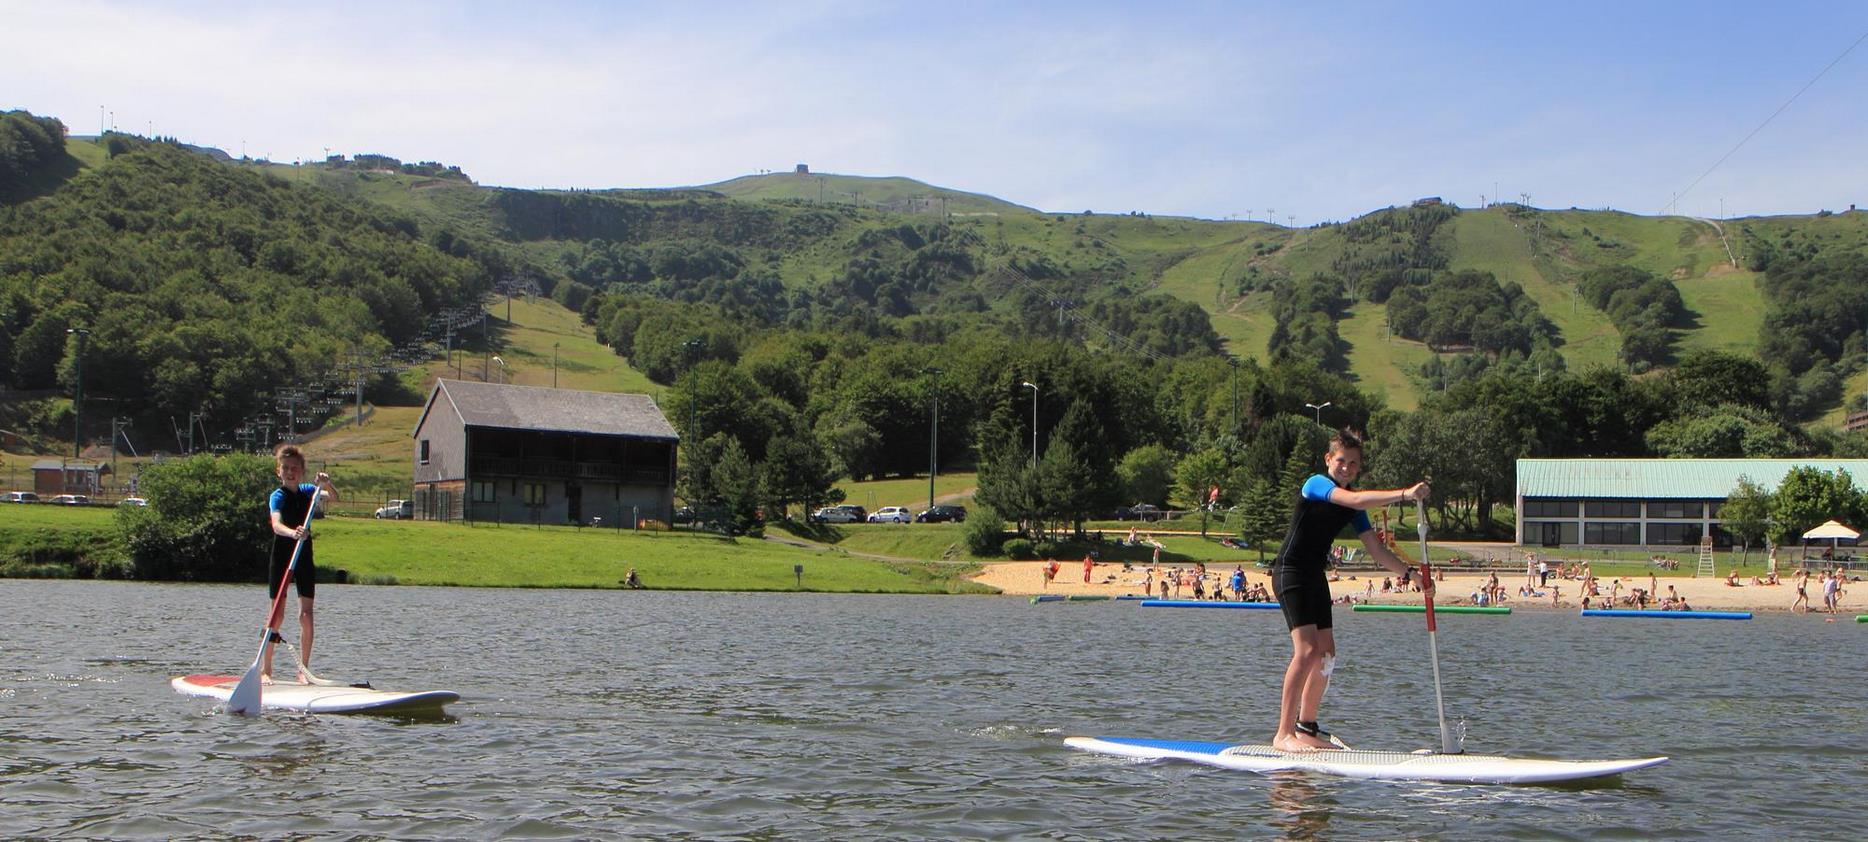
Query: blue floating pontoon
[
  {"x": 1198, "y": 603},
  {"x": 1670, "y": 615}
]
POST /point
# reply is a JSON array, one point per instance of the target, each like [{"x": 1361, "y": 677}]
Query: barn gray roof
[{"x": 540, "y": 409}]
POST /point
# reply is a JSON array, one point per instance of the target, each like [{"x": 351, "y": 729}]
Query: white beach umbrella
[{"x": 1832, "y": 529}]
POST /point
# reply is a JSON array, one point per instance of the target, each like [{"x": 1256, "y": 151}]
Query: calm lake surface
[{"x": 775, "y": 716}]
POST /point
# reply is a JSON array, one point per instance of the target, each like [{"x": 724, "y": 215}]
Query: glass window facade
[
  {"x": 1611, "y": 508},
  {"x": 1549, "y": 533},
  {"x": 1612, "y": 533},
  {"x": 1549, "y": 508},
  {"x": 1676, "y": 509},
  {"x": 1673, "y": 534}
]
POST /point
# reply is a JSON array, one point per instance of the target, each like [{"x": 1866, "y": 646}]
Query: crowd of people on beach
[{"x": 1197, "y": 582}]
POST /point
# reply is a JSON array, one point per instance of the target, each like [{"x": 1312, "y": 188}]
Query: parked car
[
  {"x": 684, "y": 514},
  {"x": 397, "y": 510},
  {"x": 835, "y": 514},
  {"x": 133, "y": 501},
  {"x": 942, "y": 514},
  {"x": 892, "y": 514},
  {"x": 1140, "y": 511},
  {"x": 21, "y": 497},
  {"x": 72, "y": 500}
]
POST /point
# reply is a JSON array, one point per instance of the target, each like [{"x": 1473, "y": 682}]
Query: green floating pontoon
[
  {"x": 1861, "y": 618},
  {"x": 1438, "y": 609}
]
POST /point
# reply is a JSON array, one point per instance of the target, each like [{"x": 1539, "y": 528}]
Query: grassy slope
[
  {"x": 1210, "y": 277},
  {"x": 849, "y": 189},
  {"x": 1724, "y": 298},
  {"x": 450, "y": 202},
  {"x": 1489, "y": 240},
  {"x": 1380, "y": 361},
  {"x": 1196, "y": 260}
]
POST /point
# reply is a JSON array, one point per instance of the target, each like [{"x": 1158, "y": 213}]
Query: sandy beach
[{"x": 1027, "y": 578}]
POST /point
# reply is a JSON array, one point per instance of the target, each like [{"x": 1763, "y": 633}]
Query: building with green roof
[{"x": 1641, "y": 502}]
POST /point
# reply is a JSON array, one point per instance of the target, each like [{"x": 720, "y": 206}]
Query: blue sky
[{"x": 1203, "y": 109}]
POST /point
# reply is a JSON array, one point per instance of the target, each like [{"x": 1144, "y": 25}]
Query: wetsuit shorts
[
  {"x": 305, "y": 575},
  {"x": 1304, "y": 595}
]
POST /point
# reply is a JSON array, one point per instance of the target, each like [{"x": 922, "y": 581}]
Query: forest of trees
[
  {"x": 196, "y": 286},
  {"x": 182, "y": 283},
  {"x": 1643, "y": 307}
]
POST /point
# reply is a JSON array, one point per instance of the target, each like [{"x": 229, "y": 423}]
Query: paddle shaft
[
  {"x": 1447, "y": 745},
  {"x": 245, "y": 699}
]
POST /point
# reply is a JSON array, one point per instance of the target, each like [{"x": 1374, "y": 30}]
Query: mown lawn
[{"x": 430, "y": 553}]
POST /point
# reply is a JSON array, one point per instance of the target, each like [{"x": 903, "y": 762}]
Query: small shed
[{"x": 67, "y": 476}]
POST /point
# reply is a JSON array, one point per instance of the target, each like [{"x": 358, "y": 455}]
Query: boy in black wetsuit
[
  {"x": 1298, "y": 578},
  {"x": 290, "y": 504}
]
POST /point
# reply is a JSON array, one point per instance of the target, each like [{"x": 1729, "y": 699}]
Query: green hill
[
  {"x": 886, "y": 193},
  {"x": 859, "y": 256}
]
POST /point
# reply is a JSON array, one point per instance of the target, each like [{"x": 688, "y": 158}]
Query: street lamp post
[
  {"x": 1234, "y": 432},
  {"x": 554, "y": 365},
  {"x": 1319, "y": 410},
  {"x": 1034, "y": 422},
  {"x": 693, "y": 345},
  {"x": 77, "y": 393},
  {"x": 933, "y": 435}
]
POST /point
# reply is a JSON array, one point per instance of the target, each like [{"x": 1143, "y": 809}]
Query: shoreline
[{"x": 1026, "y": 578}]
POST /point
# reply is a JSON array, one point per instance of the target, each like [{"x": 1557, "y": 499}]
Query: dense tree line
[
  {"x": 29, "y": 145},
  {"x": 200, "y": 286},
  {"x": 368, "y": 161},
  {"x": 1392, "y": 248},
  {"x": 1470, "y": 309},
  {"x": 1305, "y": 314},
  {"x": 1644, "y": 308}
]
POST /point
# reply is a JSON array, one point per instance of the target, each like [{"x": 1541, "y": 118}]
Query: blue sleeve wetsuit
[
  {"x": 1298, "y": 577},
  {"x": 292, "y": 504}
]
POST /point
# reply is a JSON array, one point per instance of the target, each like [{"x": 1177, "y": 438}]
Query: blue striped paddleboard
[{"x": 1374, "y": 765}]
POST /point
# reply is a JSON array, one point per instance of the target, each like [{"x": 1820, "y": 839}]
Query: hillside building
[
  {"x": 529, "y": 454},
  {"x": 1656, "y": 503},
  {"x": 52, "y": 477}
]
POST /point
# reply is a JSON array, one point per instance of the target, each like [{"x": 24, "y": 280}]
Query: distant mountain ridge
[
  {"x": 790, "y": 247},
  {"x": 893, "y": 194}
]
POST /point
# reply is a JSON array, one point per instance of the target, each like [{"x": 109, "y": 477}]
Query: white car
[
  {"x": 892, "y": 514},
  {"x": 834, "y": 514},
  {"x": 397, "y": 510},
  {"x": 21, "y": 497}
]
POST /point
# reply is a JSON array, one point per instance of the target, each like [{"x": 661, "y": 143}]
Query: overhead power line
[{"x": 1674, "y": 205}]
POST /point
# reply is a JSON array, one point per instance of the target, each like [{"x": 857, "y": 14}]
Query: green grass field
[
  {"x": 1729, "y": 308},
  {"x": 1381, "y": 362},
  {"x": 432, "y": 553}
]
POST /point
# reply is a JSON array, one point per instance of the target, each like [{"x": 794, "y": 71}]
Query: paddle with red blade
[
  {"x": 246, "y": 695},
  {"x": 1447, "y": 744}
]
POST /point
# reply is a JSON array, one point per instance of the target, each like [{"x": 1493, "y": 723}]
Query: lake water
[{"x": 773, "y": 716}]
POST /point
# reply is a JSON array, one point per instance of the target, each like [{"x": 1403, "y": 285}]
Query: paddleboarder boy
[
  {"x": 289, "y": 505},
  {"x": 1325, "y": 506}
]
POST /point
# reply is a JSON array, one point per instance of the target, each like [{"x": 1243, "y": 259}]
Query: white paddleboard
[
  {"x": 315, "y": 698},
  {"x": 1381, "y": 765}
]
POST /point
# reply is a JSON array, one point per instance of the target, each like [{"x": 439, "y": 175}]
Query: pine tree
[{"x": 1267, "y": 514}]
